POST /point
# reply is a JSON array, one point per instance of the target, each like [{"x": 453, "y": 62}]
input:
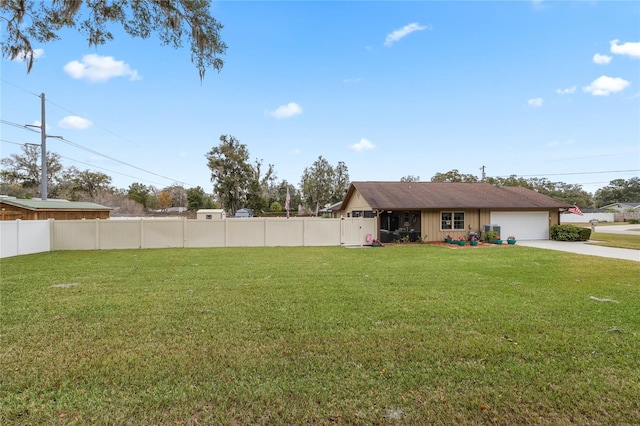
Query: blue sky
[{"x": 532, "y": 88}]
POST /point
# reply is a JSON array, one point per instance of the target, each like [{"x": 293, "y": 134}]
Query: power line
[
  {"x": 574, "y": 173},
  {"x": 79, "y": 146},
  {"x": 93, "y": 166}
]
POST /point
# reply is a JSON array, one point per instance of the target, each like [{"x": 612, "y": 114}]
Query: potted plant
[
  {"x": 491, "y": 237},
  {"x": 447, "y": 239},
  {"x": 511, "y": 239},
  {"x": 460, "y": 241},
  {"x": 473, "y": 241},
  {"x": 376, "y": 243}
]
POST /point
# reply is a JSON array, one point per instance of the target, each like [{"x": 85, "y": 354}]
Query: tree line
[{"x": 239, "y": 182}]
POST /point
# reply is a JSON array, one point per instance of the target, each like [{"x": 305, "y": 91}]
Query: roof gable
[{"x": 449, "y": 195}]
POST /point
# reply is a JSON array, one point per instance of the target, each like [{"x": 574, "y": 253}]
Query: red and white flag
[{"x": 575, "y": 210}]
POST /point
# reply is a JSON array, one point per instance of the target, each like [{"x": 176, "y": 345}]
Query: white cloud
[
  {"x": 352, "y": 80},
  {"x": 286, "y": 111},
  {"x": 567, "y": 91},
  {"x": 22, "y": 55},
  {"x": 559, "y": 143},
  {"x": 100, "y": 68},
  {"x": 628, "y": 48},
  {"x": 601, "y": 59},
  {"x": 535, "y": 102},
  {"x": 75, "y": 122},
  {"x": 403, "y": 32},
  {"x": 38, "y": 123},
  {"x": 603, "y": 86},
  {"x": 363, "y": 145}
]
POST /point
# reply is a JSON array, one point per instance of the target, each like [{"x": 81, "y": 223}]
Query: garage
[{"x": 522, "y": 225}]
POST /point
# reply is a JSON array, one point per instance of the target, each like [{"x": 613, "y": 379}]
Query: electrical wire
[{"x": 79, "y": 146}]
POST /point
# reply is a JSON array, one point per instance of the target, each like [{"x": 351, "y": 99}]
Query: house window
[
  {"x": 452, "y": 220},
  {"x": 362, "y": 213},
  {"x": 209, "y": 217}
]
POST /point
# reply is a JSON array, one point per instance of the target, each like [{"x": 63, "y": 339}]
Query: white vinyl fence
[
  {"x": 23, "y": 237},
  {"x": 586, "y": 217}
]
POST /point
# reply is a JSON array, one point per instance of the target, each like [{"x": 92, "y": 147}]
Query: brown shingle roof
[{"x": 450, "y": 195}]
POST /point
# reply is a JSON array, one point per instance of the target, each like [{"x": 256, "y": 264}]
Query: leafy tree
[
  {"x": 197, "y": 199},
  {"x": 453, "y": 176},
  {"x": 231, "y": 173},
  {"x": 164, "y": 200},
  {"x": 260, "y": 187},
  {"x": 120, "y": 202},
  {"x": 512, "y": 180},
  {"x": 619, "y": 191},
  {"x": 178, "y": 195},
  {"x": 280, "y": 195},
  {"x": 410, "y": 178},
  {"x": 138, "y": 192},
  {"x": 341, "y": 182},
  {"x": 27, "y": 22},
  {"x": 23, "y": 170},
  {"x": 318, "y": 184},
  {"x": 84, "y": 184}
]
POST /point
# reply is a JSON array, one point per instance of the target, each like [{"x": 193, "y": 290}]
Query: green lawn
[
  {"x": 615, "y": 240},
  {"x": 407, "y": 334}
]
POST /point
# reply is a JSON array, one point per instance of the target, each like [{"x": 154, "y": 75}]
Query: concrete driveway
[{"x": 581, "y": 247}]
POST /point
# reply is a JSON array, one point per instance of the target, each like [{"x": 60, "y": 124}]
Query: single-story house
[
  {"x": 433, "y": 210},
  {"x": 37, "y": 209},
  {"x": 622, "y": 207}
]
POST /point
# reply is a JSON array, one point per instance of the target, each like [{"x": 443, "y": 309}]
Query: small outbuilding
[
  {"x": 210, "y": 214},
  {"x": 37, "y": 209}
]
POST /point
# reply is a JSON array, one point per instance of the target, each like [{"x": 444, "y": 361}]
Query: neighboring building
[
  {"x": 36, "y": 209},
  {"x": 210, "y": 214},
  {"x": 432, "y": 210},
  {"x": 244, "y": 213},
  {"x": 332, "y": 211},
  {"x": 622, "y": 207}
]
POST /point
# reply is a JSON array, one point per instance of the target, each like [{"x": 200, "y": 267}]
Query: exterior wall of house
[
  {"x": 26, "y": 214},
  {"x": 356, "y": 202},
  {"x": 431, "y": 223}
]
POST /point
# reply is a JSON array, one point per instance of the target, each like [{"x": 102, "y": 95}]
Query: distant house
[
  {"x": 432, "y": 210},
  {"x": 332, "y": 211},
  {"x": 37, "y": 209},
  {"x": 622, "y": 207}
]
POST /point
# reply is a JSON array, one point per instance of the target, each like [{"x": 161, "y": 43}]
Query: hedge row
[{"x": 569, "y": 233}]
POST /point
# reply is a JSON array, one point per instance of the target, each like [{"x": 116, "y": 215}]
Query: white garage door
[{"x": 522, "y": 225}]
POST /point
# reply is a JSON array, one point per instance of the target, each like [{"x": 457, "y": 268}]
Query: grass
[
  {"x": 615, "y": 240},
  {"x": 409, "y": 334}
]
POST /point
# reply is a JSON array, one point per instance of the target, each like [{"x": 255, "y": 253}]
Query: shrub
[
  {"x": 276, "y": 207},
  {"x": 569, "y": 233},
  {"x": 490, "y": 236},
  {"x": 585, "y": 234},
  {"x": 634, "y": 221}
]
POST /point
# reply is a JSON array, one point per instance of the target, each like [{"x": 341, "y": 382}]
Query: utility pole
[{"x": 43, "y": 145}]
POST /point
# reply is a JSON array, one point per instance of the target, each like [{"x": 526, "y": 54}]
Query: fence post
[
  {"x": 141, "y": 233},
  {"x": 52, "y": 235},
  {"x": 97, "y": 222},
  {"x": 184, "y": 232}
]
